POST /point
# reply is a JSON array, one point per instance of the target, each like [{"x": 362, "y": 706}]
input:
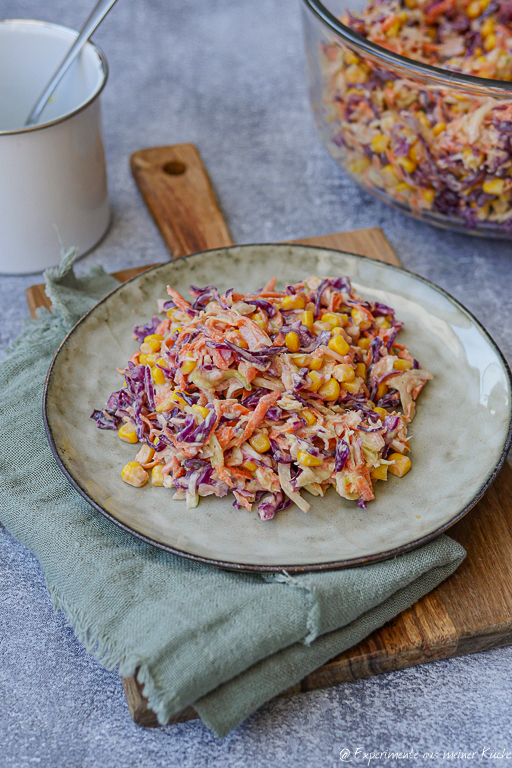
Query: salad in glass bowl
[{"x": 414, "y": 99}]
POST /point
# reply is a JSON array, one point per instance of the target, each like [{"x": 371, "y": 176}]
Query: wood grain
[
  {"x": 469, "y": 612},
  {"x": 177, "y": 190}
]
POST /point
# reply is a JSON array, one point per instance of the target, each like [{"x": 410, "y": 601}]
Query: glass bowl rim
[{"x": 426, "y": 71}]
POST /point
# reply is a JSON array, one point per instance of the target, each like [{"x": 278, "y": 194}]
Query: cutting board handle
[{"x": 179, "y": 194}]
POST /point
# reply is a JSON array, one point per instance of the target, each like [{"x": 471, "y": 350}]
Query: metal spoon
[{"x": 98, "y": 14}]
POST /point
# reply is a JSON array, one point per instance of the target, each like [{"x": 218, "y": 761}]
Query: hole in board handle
[{"x": 174, "y": 168}]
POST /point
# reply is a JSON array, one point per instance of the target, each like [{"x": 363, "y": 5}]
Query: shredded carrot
[
  {"x": 178, "y": 299},
  {"x": 244, "y": 474},
  {"x": 224, "y": 475},
  {"x": 388, "y": 22},
  {"x": 259, "y": 414},
  {"x": 164, "y": 326},
  {"x": 436, "y": 10},
  {"x": 242, "y": 500}
]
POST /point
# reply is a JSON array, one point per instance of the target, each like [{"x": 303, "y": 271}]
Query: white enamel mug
[{"x": 53, "y": 184}]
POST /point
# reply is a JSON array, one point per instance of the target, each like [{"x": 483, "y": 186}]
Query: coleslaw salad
[{"x": 267, "y": 394}]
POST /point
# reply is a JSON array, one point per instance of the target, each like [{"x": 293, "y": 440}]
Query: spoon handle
[{"x": 98, "y": 14}]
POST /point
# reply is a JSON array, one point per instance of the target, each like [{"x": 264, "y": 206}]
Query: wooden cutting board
[{"x": 472, "y": 610}]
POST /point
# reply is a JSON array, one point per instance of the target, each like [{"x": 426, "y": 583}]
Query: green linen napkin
[{"x": 224, "y": 642}]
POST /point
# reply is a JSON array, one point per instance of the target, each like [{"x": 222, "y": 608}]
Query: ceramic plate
[{"x": 460, "y": 435}]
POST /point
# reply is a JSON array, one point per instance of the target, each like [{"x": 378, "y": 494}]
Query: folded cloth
[{"x": 222, "y": 641}]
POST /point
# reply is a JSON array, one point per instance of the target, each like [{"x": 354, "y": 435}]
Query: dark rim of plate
[{"x": 331, "y": 565}]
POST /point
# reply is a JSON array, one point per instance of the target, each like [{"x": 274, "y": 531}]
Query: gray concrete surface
[{"x": 229, "y": 76}]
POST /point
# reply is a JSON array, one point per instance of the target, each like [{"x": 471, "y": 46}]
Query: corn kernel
[
  {"x": 438, "y": 128},
  {"x": 364, "y": 343},
  {"x": 172, "y": 400},
  {"x": 474, "y": 9},
  {"x": 133, "y": 474},
  {"x": 411, "y": 4},
  {"x": 360, "y": 165},
  {"x": 307, "y": 460},
  {"x": 250, "y": 465},
  {"x": 500, "y": 206},
  {"x": 150, "y": 345},
  {"x": 428, "y": 195},
  {"x": 178, "y": 399},
  {"x": 487, "y": 27},
  {"x": 350, "y": 58},
  {"x": 331, "y": 319},
  {"x": 432, "y": 32},
  {"x": 308, "y": 417},
  {"x": 360, "y": 319},
  {"x": 352, "y": 386},
  {"x": 394, "y": 29},
  {"x": 315, "y": 363},
  {"x": 401, "y": 466},
  {"x": 300, "y": 360},
  {"x": 177, "y": 331},
  {"x": 494, "y": 186},
  {"x": 128, "y": 433},
  {"x": 170, "y": 313},
  {"x": 204, "y": 412},
  {"x": 157, "y": 336},
  {"x": 308, "y": 319},
  {"x": 355, "y": 74},
  {"x": 317, "y": 381},
  {"x": 352, "y": 92},
  {"x": 157, "y": 479},
  {"x": 361, "y": 370},
  {"x": 293, "y": 302},
  {"x": 188, "y": 366},
  {"x": 402, "y": 365},
  {"x": 407, "y": 164},
  {"x": 403, "y": 187},
  {"x": 381, "y": 390},
  {"x": 239, "y": 340},
  {"x": 483, "y": 212},
  {"x": 292, "y": 341},
  {"x": 345, "y": 373},
  {"x": 145, "y": 454},
  {"x": 380, "y": 143},
  {"x": 382, "y": 322},
  {"x": 339, "y": 345},
  {"x": 260, "y": 442},
  {"x": 423, "y": 118},
  {"x": 330, "y": 390},
  {"x": 158, "y": 375},
  {"x": 381, "y": 411},
  {"x": 380, "y": 473},
  {"x": 259, "y": 320},
  {"x": 416, "y": 152},
  {"x": 389, "y": 174}
]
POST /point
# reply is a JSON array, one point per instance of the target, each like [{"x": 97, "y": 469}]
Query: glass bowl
[{"x": 382, "y": 117}]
